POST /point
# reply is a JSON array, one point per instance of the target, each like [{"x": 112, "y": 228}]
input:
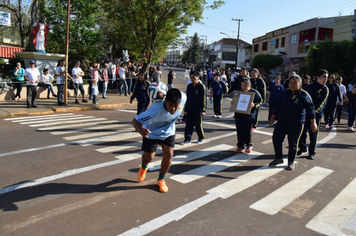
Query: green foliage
[
  {"x": 85, "y": 36},
  {"x": 267, "y": 61},
  {"x": 337, "y": 57},
  {"x": 193, "y": 50},
  {"x": 148, "y": 27}
]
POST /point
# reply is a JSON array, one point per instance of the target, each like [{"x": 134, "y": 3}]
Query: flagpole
[{"x": 66, "y": 58}]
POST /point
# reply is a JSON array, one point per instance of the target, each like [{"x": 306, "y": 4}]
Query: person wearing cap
[
  {"x": 78, "y": 74},
  {"x": 294, "y": 106},
  {"x": 141, "y": 92},
  {"x": 32, "y": 77}
]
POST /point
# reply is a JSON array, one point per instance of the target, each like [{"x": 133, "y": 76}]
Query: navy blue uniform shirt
[
  {"x": 219, "y": 88},
  {"x": 292, "y": 108},
  {"x": 141, "y": 91},
  {"x": 275, "y": 92},
  {"x": 319, "y": 94},
  {"x": 334, "y": 92},
  {"x": 196, "y": 98},
  {"x": 260, "y": 86}
]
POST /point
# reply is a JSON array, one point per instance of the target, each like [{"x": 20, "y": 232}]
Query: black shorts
[
  {"x": 80, "y": 87},
  {"x": 150, "y": 145}
]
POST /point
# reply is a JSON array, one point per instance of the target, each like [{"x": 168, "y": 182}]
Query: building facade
[{"x": 293, "y": 42}]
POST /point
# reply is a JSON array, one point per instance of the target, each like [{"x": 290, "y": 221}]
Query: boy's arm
[{"x": 139, "y": 128}]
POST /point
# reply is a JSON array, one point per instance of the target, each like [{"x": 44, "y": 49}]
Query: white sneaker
[
  {"x": 200, "y": 141},
  {"x": 215, "y": 116},
  {"x": 185, "y": 142},
  {"x": 219, "y": 116}
]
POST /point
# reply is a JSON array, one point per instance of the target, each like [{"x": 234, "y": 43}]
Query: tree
[
  {"x": 267, "y": 61},
  {"x": 23, "y": 14},
  {"x": 150, "y": 26},
  {"x": 86, "y": 42},
  {"x": 193, "y": 51},
  {"x": 335, "y": 56}
]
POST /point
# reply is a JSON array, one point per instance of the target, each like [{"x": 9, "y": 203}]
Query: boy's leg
[{"x": 167, "y": 149}]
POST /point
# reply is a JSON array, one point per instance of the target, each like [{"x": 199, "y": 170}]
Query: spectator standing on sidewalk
[
  {"x": 61, "y": 75},
  {"x": 95, "y": 92},
  {"x": 340, "y": 103},
  {"x": 157, "y": 75},
  {"x": 122, "y": 73},
  {"x": 48, "y": 79},
  {"x": 19, "y": 79},
  {"x": 105, "y": 79},
  {"x": 78, "y": 74},
  {"x": 32, "y": 77}
]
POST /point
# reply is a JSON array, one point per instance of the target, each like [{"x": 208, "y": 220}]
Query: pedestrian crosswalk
[{"x": 110, "y": 136}]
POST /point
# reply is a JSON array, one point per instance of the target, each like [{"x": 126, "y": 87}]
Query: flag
[{"x": 5, "y": 18}]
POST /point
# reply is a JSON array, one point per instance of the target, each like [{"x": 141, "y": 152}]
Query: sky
[{"x": 262, "y": 16}]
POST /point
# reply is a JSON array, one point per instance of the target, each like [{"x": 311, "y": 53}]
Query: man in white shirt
[
  {"x": 77, "y": 73},
  {"x": 32, "y": 77},
  {"x": 60, "y": 76},
  {"x": 122, "y": 74}
]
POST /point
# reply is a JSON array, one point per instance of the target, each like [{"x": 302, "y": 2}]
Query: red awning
[{"x": 9, "y": 52}]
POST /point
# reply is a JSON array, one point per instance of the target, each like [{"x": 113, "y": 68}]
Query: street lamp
[{"x": 237, "y": 47}]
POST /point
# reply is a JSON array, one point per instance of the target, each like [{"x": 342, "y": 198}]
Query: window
[
  {"x": 264, "y": 46},
  {"x": 283, "y": 42},
  {"x": 326, "y": 35},
  {"x": 255, "y": 48},
  {"x": 277, "y": 43},
  {"x": 293, "y": 38}
]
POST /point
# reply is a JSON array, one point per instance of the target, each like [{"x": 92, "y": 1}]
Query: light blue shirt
[{"x": 159, "y": 121}]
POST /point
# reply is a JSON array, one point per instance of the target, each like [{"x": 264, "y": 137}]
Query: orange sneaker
[
  {"x": 162, "y": 186},
  {"x": 141, "y": 175}
]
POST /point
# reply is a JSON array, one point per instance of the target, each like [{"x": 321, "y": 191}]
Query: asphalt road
[{"x": 75, "y": 174}]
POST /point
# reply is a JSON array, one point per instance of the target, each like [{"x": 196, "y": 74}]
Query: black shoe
[
  {"x": 290, "y": 166},
  {"x": 84, "y": 100},
  {"x": 76, "y": 102},
  {"x": 276, "y": 162},
  {"x": 54, "y": 95},
  {"x": 34, "y": 106},
  {"x": 28, "y": 106},
  {"x": 300, "y": 153},
  {"x": 311, "y": 157}
]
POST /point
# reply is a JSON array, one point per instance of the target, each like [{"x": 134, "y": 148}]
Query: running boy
[{"x": 157, "y": 126}]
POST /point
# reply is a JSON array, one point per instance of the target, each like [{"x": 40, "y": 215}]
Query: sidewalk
[{"x": 12, "y": 108}]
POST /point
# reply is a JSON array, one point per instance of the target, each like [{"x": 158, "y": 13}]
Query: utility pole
[{"x": 238, "y": 39}]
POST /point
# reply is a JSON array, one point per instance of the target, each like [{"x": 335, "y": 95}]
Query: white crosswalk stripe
[
  {"x": 283, "y": 196},
  {"x": 339, "y": 216}
]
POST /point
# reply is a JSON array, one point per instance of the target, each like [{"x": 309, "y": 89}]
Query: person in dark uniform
[
  {"x": 306, "y": 82},
  {"x": 319, "y": 94},
  {"x": 141, "y": 92},
  {"x": 194, "y": 109},
  {"x": 351, "y": 108},
  {"x": 260, "y": 85},
  {"x": 293, "y": 107},
  {"x": 330, "y": 108},
  {"x": 275, "y": 91},
  {"x": 218, "y": 89},
  {"x": 237, "y": 81},
  {"x": 244, "y": 122}
]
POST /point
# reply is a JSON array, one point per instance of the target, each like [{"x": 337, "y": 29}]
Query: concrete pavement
[{"x": 12, "y": 108}]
